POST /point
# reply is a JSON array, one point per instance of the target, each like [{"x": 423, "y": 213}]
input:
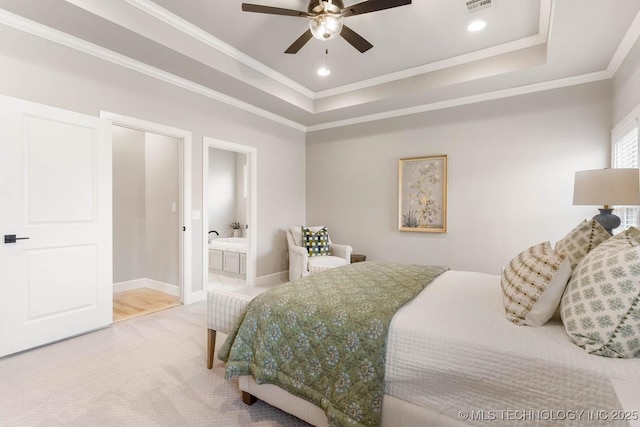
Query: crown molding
[
  {"x": 473, "y": 99},
  {"x": 199, "y": 34},
  {"x": 435, "y": 66},
  {"x": 625, "y": 46},
  {"x": 540, "y": 38},
  {"x": 546, "y": 12},
  {"x": 42, "y": 31},
  {"x": 64, "y": 39}
]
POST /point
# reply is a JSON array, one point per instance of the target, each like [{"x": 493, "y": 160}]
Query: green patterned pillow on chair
[
  {"x": 316, "y": 242},
  {"x": 601, "y": 306},
  {"x": 581, "y": 240}
]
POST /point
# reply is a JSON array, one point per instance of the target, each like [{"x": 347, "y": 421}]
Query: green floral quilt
[{"x": 323, "y": 338}]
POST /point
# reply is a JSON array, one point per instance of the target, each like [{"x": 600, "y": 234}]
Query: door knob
[{"x": 11, "y": 238}]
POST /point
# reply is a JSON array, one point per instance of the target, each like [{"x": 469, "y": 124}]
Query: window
[{"x": 625, "y": 155}]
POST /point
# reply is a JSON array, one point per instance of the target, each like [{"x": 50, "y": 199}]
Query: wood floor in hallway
[{"x": 138, "y": 302}]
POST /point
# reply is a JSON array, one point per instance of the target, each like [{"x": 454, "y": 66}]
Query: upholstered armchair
[{"x": 301, "y": 264}]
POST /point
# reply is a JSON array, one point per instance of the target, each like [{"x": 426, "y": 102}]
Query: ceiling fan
[{"x": 325, "y": 19}]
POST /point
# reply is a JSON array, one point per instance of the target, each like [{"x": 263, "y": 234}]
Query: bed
[{"x": 453, "y": 359}]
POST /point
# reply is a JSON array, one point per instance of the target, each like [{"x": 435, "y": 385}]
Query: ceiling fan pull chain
[
  {"x": 324, "y": 71},
  {"x": 326, "y": 58}
]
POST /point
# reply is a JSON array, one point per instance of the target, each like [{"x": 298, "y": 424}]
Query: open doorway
[
  {"x": 146, "y": 205},
  {"x": 229, "y": 214},
  {"x": 151, "y": 227}
]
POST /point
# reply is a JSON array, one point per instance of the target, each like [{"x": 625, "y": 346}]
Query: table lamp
[{"x": 607, "y": 187}]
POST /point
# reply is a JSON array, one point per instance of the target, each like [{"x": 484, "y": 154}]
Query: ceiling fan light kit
[
  {"x": 326, "y": 18},
  {"x": 326, "y": 26}
]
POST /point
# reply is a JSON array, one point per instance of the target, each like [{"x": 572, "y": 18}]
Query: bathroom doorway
[
  {"x": 151, "y": 227},
  {"x": 229, "y": 214}
]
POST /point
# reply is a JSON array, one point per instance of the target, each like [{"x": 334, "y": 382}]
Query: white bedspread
[{"x": 452, "y": 349}]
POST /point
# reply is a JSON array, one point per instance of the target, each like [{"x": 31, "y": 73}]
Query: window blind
[{"x": 625, "y": 155}]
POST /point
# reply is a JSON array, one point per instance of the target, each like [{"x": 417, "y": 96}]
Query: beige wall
[
  {"x": 626, "y": 85},
  {"x": 44, "y": 72},
  {"x": 145, "y": 187},
  {"x": 511, "y": 161},
  {"x": 162, "y": 229},
  {"x": 222, "y": 197},
  {"x": 242, "y": 199},
  {"x": 129, "y": 241},
  {"x": 510, "y": 181}
]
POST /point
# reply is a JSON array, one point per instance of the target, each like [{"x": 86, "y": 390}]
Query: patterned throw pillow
[
  {"x": 581, "y": 240},
  {"x": 600, "y": 307},
  {"x": 316, "y": 242},
  {"x": 533, "y": 283}
]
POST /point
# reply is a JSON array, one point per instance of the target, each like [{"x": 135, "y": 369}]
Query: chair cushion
[
  {"x": 322, "y": 263},
  {"x": 316, "y": 242}
]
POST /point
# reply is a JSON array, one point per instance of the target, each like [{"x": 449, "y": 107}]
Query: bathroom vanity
[{"x": 228, "y": 254}]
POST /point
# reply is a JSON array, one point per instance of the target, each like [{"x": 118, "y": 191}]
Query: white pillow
[
  {"x": 601, "y": 305},
  {"x": 533, "y": 283},
  {"x": 581, "y": 240}
]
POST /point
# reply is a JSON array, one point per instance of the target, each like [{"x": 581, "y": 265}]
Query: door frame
[
  {"x": 252, "y": 211},
  {"x": 184, "y": 186}
]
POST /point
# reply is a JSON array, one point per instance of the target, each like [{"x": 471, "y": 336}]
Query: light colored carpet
[{"x": 147, "y": 371}]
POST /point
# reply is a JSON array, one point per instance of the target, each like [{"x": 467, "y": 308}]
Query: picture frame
[{"x": 422, "y": 189}]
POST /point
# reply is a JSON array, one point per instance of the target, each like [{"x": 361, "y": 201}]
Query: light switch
[
  {"x": 195, "y": 215},
  {"x": 173, "y": 207}
]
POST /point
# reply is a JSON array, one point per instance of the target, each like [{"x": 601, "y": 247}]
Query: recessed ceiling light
[
  {"x": 476, "y": 26},
  {"x": 324, "y": 71}
]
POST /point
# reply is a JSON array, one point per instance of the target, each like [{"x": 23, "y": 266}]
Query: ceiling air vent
[{"x": 476, "y": 5}]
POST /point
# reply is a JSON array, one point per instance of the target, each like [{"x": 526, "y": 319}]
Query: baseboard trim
[
  {"x": 272, "y": 279},
  {"x": 197, "y": 296},
  {"x": 128, "y": 285},
  {"x": 167, "y": 288},
  {"x": 146, "y": 283}
]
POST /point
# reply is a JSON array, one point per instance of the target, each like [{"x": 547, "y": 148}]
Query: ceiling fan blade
[
  {"x": 355, "y": 39},
  {"x": 372, "y": 6},
  {"x": 301, "y": 41},
  {"x": 248, "y": 7}
]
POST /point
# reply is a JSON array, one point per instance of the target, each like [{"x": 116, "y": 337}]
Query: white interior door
[{"x": 55, "y": 193}]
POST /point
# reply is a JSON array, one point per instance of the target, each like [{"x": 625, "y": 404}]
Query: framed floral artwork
[{"x": 422, "y": 203}]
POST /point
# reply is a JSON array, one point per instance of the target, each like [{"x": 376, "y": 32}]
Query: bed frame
[
  {"x": 395, "y": 412},
  {"x": 223, "y": 309}
]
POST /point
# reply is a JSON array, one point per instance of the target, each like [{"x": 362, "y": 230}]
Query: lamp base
[{"x": 608, "y": 220}]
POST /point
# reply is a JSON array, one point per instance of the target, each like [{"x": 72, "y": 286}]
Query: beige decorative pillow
[
  {"x": 533, "y": 283},
  {"x": 581, "y": 240},
  {"x": 601, "y": 305}
]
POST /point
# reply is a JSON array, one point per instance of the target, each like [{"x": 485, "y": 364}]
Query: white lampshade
[{"x": 608, "y": 187}]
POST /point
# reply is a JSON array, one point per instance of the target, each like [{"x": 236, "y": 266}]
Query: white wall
[
  {"x": 44, "y": 72},
  {"x": 129, "y": 241},
  {"x": 510, "y": 183},
  {"x": 162, "y": 229}
]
